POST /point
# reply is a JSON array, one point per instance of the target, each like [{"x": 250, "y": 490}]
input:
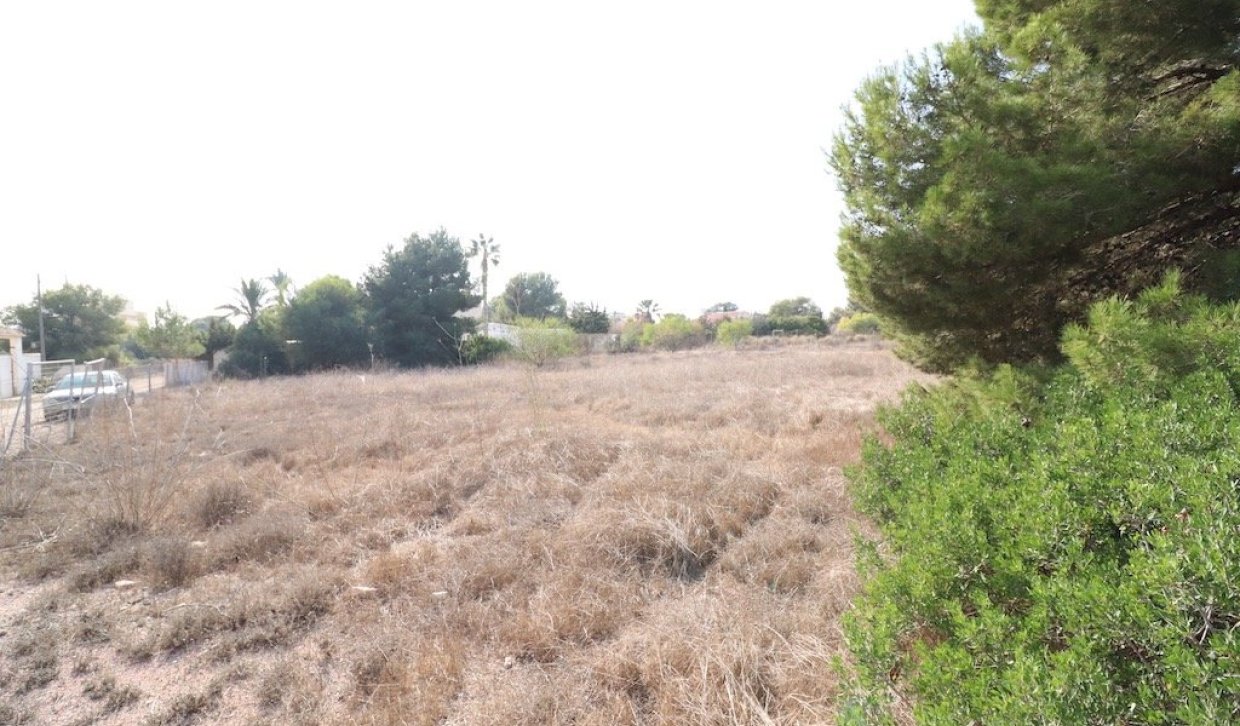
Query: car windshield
[{"x": 80, "y": 380}]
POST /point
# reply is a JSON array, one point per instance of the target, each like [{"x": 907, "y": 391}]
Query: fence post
[{"x": 28, "y": 396}]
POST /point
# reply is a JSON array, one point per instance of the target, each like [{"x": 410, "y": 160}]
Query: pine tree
[
  {"x": 1066, "y": 152},
  {"x": 413, "y": 298}
]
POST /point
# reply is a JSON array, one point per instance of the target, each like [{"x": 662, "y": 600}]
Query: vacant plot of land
[{"x": 626, "y": 539}]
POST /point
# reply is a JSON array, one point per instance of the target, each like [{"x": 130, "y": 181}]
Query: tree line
[{"x": 406, "y": 311}]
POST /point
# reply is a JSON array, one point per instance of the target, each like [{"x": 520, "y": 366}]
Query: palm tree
[
  {"x": 490, "y": 256},
  {"x": 251, "y": 295},
  {"x": 647, "y": 310},
  {"x": 283, "y": 285}
]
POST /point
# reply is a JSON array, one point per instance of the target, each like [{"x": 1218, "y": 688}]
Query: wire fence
[{"x": 56, "y": 395}]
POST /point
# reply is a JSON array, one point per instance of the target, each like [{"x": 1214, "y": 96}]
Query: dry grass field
[{"x": 646, "y": 539}]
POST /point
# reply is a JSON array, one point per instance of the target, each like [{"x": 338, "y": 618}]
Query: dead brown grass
[{"x": 637, "y": 539}]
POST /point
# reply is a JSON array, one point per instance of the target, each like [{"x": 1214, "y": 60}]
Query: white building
[{"x": 13, "y": 362}]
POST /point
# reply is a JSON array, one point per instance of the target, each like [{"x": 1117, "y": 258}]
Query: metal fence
[{"x": 56, "y": 394}]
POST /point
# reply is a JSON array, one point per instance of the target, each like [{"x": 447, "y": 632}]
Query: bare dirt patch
[{"x": 628, "y": 539}]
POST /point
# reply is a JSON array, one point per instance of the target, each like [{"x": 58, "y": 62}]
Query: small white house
[
  {"x": 508, "y": 333},
  {"x": 12, "y": 363}
]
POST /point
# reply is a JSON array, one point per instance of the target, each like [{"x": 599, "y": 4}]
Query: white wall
[
  {"x": 6, "y": 375},
  {"x": 509, "y": 333}
]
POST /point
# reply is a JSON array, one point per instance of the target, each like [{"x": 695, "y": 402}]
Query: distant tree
[
  {"x": 860, "y": 323},
  {"x": 413, "y": 297},
  {"x": 794, "y": 316},
  {"x": 541, "y": 341},
  {"x": 589, "y": 318},
  {"x": 647, "y": 311},
  {"x": 723, "y": 307},
  {"x": 251, "y": 298},
  {"x": 488, "y": 251},
  {"x": 172, "y": 336},
  {"x": 673, "y": 332},
  {"x": 282, "y": 284},
  {"x": 498, "y": 310},
  {"x": 534, "y": 295},
  {"x": 837, "y": 314},
  {"x": 79, "y": 322},
  {"x": 258, "y": 349},
  {"x": 327, "y": 319},
  {"x": 216, "y": 333},
  {"x": 732, "y": 332},
  {"x": 482, "y": 349},
  {"x": 795, "y": 307}
]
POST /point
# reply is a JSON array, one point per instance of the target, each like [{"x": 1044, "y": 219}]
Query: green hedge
[{"x": 1062, "y": 546}]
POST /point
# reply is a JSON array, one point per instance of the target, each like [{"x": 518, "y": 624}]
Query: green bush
[
  {"x": 859, "y": 323},
  {"x": 540, "y": 341},
  {"x": 632, "y": 333},
  {"x": 481, "y": 349},
  {"x": 789, "y": 325},
  {"x": 589, "y": 319},
  {"x": 673, "y": 332},
  {"x": 731, "y": 332},
  {"x": 258, "y": 349},
  {"x": 1061, "y": 546}
]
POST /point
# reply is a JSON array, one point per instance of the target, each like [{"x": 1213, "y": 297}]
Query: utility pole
[{"x": 38, "y": 286}]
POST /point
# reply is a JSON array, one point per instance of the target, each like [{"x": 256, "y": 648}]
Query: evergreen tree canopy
[
  {"x": 216, "y": 334},
  {"x": 534, "y": 295},
  {"x": 79, "y": 321},
  {"x": 1070, "y": 150},
  {"x": 412, "y": 299},
  {"x": 172, "y": 335},
  {"x": 328, "y": 322},
  {"x": 258, "y": 348},
  {"x": 795, "y": 307},
  {"x": 589, "y": 318}
]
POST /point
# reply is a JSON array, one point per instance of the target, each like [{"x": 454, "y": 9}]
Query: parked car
[{"x": 79, "y": 392}]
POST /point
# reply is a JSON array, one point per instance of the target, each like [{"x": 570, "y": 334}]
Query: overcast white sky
[{"x": 668, "y": 150}]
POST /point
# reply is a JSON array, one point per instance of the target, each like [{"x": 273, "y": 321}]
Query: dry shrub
[
  {"x": 837, "y": 443},
  {"x": 252, "y": 615},
  {"x": 486, "y": 568},
  {"x": 469, "y": 524},
  {"x": 170, "y": 562},
  {"x": 138, "y": 474},
  {"x": 716, "y": 659},
  {"x": 106, "y": 568},
  {"x": 387, "y": 570},
  {"x": 258, "y": 454},
  {"x": 218, "y": 503},
  {"x": 260, "y": 538},
  {"x": 821, "y": 501},
  {"x": 294, "y": 688},
  {"x": 572, "y": 610},
  {"x": 81, "y": 547},
  {"x": 408, "y": 683},
  {"x": 21, "y": 483},
  {"x": 779, "y": 553},
  {"x": 429, "y": 494},
  {"x": 323, "y": 505},
  {"x": 413, "y": 569},
  {"x": 188, "y": 707},
  {"x": 36, "y": 652},
  {"x": 91, "y": 627},
  {"x": 114, "y": 697},
  {"x": 677, "y": 523},
  {"x": 534, "y": 694}
]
